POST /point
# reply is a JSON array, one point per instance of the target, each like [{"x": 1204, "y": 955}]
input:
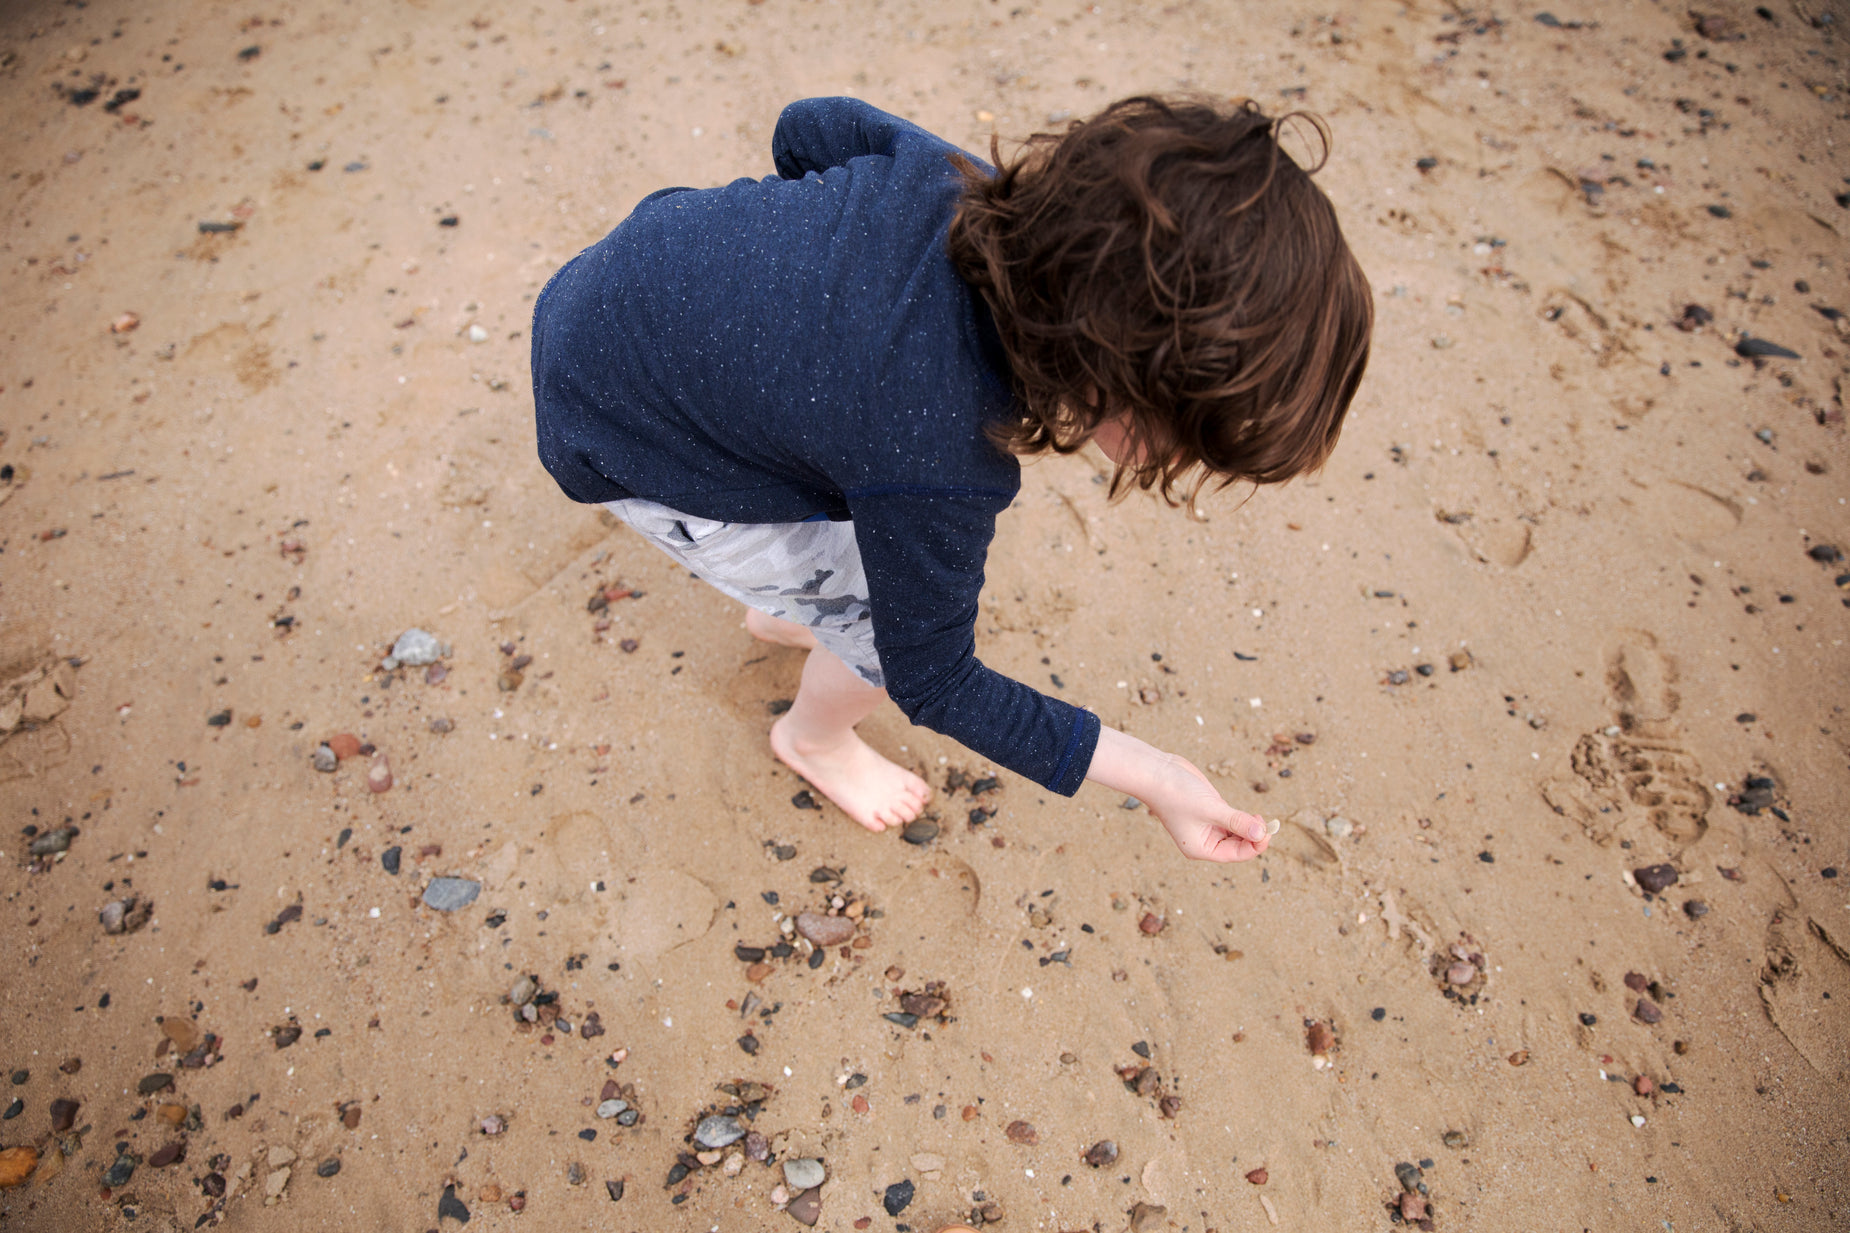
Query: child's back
[{"x": 867, "y": 339}]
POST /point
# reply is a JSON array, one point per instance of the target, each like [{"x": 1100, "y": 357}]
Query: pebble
[
  {"x": 150, "y": 1084},
  {"x": 449, "y": 1207},
  {"x": 920, "y": 831},
  {"x": 757, "y": 1147},
  {"x": 1259, "y": 1176},
  {"x": 1750, "y": 348},
  {"x": 806, "y": 1208},
  {"x": 16, "y": 1165},
  {"x": 1655, "y": 879},
  {"x": 390, "y": 859},
  {"x": 323, "y": 759},
  {"x": 825, "y": 930},
  {"x": 525, "y": 990},
  {"x": 1643, "y": 1085},
  {"x": 1408, "y": 1174},
  {"x": 610, "y": 1108},
  {"x": 120, "y": 1171},
  {"x": 379, "y": 775},
  {"x": 414, "y": 649},
  {"x": 1023, "y": 1133},
  {"x": 1647, "y": 1011},
  {"x": 449, "y": 894},
  {"x": 1695, "y": 909},
  {"x": 1102, "y": 1153},
  {"x": 1461, "y": 973},
  {"x": 1149, "y": 1218},
  {"x": 718, "y": 1130},
  {"x": 1338, "y": 827},
  {"x": 345, "y": 745},
  {"x": 897, "y": 1198},
  {"x": 53, "y": 842},
  {"x": 21, "y": 1077},
  {"x": 804, "y": 1173},
  {"x": 13, "y": 1110},
  {"x": 63, "y": 1115},
  {"x": 614, "y": 1190},
  {"x": 1151, "y": 924},
  {"x": 125, "y": 915},
  {"x": 493, "y": 1124},
  {"x": 1319, "y": 1038}
]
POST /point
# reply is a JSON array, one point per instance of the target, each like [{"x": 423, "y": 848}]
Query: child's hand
[{"x": 1204, "y": 826}]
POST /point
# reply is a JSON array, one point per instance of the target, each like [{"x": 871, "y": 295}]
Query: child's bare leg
[
  {"x": 767, "y": 628},
  {"x": 816, "y": 739}
]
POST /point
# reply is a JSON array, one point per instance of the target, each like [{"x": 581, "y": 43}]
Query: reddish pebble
[
  {"x": 1637, "y": 982},
  {"x": 970, "y": 1113},
  {"x": 1023, "y": 1133},
  {"x": 1259, "y": 1177},
  {"x": 1319, "y": 1037},
  {"x": 518, "y": 1203},
  {"x": 345, "y": 745},
  {"x": 1647, "y": 1011},
  {"x": 863, "y": 1222},
  {"x": 1151, "y": 924},
  {"x": 1412, "y": 1206},
  {"x": 379, "y": 775},
  {"x": 1643, "y": 1085},
  {"x": 860, "y": 1104}
]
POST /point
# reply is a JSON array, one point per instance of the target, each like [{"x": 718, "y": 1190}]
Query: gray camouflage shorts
[{"x": 806, "y": 572}]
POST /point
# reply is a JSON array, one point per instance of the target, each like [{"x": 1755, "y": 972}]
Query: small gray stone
[
  {"x": 414, "y": 649},
  {"x": 804, "y": 1173},
  {"x": 525, "y": 990},
  {"x": 449, "y": 894},
  {"x": 54, "y": 841},
  {"x": 718, "y": 1131},
  {"x": 120, "y": 1172},
  {"x": 324, "y": 760},
  {"x": 1338, "y": 827},
  {"x": 610, "y": 1108},
  {"x": 629, "y": 1117}
]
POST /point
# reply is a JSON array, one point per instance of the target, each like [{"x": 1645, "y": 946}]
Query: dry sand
[{"x": 319, "y": 435}]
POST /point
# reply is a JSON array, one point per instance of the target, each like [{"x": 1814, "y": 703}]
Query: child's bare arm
[{"x": 1203, "y": 825}]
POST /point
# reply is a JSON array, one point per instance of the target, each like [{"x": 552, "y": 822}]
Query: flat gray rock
[
  {"x": 449, "y": 894},
  {"x": 414, "y": 649},
  {"x": 804, "y": 1173},
  {"x": 718, "y": 1131}
]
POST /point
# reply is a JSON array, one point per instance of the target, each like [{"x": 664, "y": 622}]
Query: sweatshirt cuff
[{"x": 1076, "y": 758}]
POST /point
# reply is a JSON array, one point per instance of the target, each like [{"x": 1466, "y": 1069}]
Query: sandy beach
[{"x": 522, "y": 926}]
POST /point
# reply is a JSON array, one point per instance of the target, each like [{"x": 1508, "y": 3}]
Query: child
[{"x": 811, "y": 390}]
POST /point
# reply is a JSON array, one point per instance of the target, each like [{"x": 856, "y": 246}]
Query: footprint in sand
[
  {"x": 1637, "y": 764},
  {"x": 1806, "y": 977}
]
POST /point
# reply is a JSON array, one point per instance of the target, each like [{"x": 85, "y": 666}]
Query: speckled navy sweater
[{"x": 802, "y": 344}]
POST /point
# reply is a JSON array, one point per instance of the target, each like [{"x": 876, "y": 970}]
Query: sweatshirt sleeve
[
  {"x": 815, "y": 134},
  {"x": 923, "y": 550}
]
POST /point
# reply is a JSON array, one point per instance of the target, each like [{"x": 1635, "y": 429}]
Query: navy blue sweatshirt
[{"x": 778, "y": 348}]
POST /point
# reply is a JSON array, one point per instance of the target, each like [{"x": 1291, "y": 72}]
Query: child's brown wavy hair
[{"x": 1166, "y": 259}]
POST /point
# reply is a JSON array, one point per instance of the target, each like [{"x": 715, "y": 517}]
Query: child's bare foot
[
  {"x": 868, "y": 788},
  {"x": 767, "y": 628}
]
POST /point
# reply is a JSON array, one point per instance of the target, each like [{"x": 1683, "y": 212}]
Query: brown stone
[
  {"x": 63, "y": 1115},
  {"x": 345, "y": 745},
  {"x": 1149, "y": 1218},
  {"x": 1412, "y": 1206},
  {"x": 1637, "y": 982},
  {"x": 1102, "y": 1153},
  {"x": 1023, "y": 1133},
  {"x": 758, "y": 971},
  {"x": 806, "y": 1208},
  {"x": 1519, "y": 1058},
  {"x": 1655, "y": 879},
  {"x": 825, "y": 930},
  {"x": 1647, "y": 1011},
  {"x": 1319, "y": 1037},
  {"x": 173, "y": 1153},
  {"x": 379, "y": 775},
  {"x": 1259, "y": 1176},
  {"x": 16, "y": 1165},
  {"x": 1643, "y": 1085},
  {"x": 1151, "y": 924},
  {"x": 170, "y": 1115},
  {"x": 183, "y": 1032}
]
